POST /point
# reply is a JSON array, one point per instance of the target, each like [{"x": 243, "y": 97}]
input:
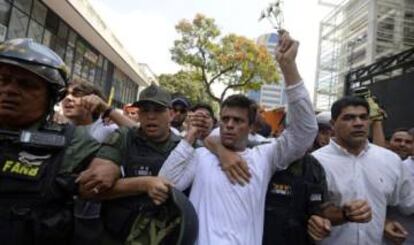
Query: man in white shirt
[
  {"x": 399, "y": 227},
  {"x": 234, "y": 214},
  {"x": 401, "y": 142},
  {"x": 361, "y": 175}
]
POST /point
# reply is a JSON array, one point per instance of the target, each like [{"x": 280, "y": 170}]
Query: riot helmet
[
  {"x": 174, "y": 222},
  {"x": 189, "y": 220},
  {"x": 38, "y": 59}
]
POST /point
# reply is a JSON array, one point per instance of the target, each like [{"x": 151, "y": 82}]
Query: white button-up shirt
[
  {"x": 376, "y": 175},
  {"x": 395, "y": 214},
  {"x": 233, "y": 214}
]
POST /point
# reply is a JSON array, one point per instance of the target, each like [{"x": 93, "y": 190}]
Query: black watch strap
[{"x": 106, "y": 113}]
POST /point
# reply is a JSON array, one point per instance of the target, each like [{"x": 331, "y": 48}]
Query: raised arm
[
  {"x": 180, "y": 166},
  {"x": 302, "y": 128},
  {"x": 95, "y": 104}
]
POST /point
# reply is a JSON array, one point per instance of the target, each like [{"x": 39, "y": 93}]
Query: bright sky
[{"x": 146, "y": 28}]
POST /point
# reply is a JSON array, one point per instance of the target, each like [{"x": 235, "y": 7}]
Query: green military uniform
[
  {"x": 79, "y": 152},
  {"x": 37, "y": 186},
  {"x": 115, "y": 146},
  {"x": 137, "y": 156},
  {"x": 38, "y": 166}
]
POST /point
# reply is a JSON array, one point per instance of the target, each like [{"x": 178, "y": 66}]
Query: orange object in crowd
[{"x": 275, "y": 118}]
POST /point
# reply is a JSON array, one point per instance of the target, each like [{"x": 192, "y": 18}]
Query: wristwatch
[
  {"x": 107, "y": 112},
  {"x": 345, "y": 216}
]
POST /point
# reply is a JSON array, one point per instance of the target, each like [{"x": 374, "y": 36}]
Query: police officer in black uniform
[
  {"x": 292, "y": 197},
  {"x": 38, "y": 160}
]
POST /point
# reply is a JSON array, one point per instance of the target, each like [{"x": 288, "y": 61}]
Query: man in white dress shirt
[
  {"x": 363, "y": 179},
  {"x": 234, "y": 214}
]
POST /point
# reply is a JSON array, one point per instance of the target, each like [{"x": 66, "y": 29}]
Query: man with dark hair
[
  {"x": 401, "y": 142},
  {"x": 131, "y": 111},
  {"x": 400, "y": 227},
  {"x": 325, "y": 131},
  {"x": 140, "y": 153},
  {"x": 180, "y": 106},
  {"x": 79, "y": 114},
  {"x": 231, "y": 214},
  {"x": 206, "y": 114},
  {"x": 39, "y": 160},
  {"x": 363, "y": 179},
  {"x": 85, "y": 105},
  {"x": 203, "y": 106}
]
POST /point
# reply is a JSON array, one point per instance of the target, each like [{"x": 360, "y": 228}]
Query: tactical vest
[
  {"x": 292, "y": 196},
  {"x": 140, "y": 159},
  {"x": 34, "y": 209}
]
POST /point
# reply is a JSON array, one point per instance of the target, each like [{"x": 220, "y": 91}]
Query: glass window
[
  {"x": 69, "y": 58},
  {"x": 63, "y": 31},
  {"x": 52, "y": 22},
  {"x": 98, "y": 77},
  {"x": 92, "y": 72},
  {"x": 39, "y": 12},
  {"x": 35, "y": 31},
  {"x": 72, "y": 39},
  {"x": 58, "y": 45},
  {"x": 100, "y": 61},
  {"x": 23, "y": 5},
  {"x": 77, "y": 66},
  {"x": 47, "y": 36},
  {"x": 4, "y": 12},
  {"x": 85, "y": 69},
  {"x": 18, "y": 24}
]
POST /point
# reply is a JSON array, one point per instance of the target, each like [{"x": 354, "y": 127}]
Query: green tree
[
  {"x": 234, "y": 61},
  {"x": 186, "y": 83}
]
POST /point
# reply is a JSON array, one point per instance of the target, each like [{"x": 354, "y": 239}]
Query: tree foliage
[
  {"x": 232, "y": 60},
  {"x": 186, "y": 83}
]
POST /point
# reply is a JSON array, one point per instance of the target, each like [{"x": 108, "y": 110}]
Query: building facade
[
  {"x": 76, "y": 33},
  {"x": 357, "y": 33}
]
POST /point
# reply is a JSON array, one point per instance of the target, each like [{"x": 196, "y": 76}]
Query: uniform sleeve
[
  {"x": 80, "y": 151},
  {"x": 299, "y": 134},
  {"x": 112, "y": 148},
  {"x": 318, "y": 189},
  {"x": 180, "y": 166}
]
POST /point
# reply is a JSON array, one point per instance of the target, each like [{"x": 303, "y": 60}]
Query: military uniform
[
  {"x": 137, "y": 156},
  {"x": 292, "y": 197},
  {"x": 39, "y": 160},
  {"x": 37, "y": 186}
]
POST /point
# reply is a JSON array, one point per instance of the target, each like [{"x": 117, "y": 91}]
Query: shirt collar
[{"x": 341, "y": 149}]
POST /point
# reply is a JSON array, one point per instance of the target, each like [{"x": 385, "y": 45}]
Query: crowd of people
[{"x": 164, "y": 171}]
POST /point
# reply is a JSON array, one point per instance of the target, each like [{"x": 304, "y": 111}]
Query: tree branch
[
  {"x": 238, "y": 85},
  {"x": 220, "y": 73}
]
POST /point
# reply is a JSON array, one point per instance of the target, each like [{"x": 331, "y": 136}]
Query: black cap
[
  {"x": 181, "y": 101},
  {"x": 154, "y": 94}
]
